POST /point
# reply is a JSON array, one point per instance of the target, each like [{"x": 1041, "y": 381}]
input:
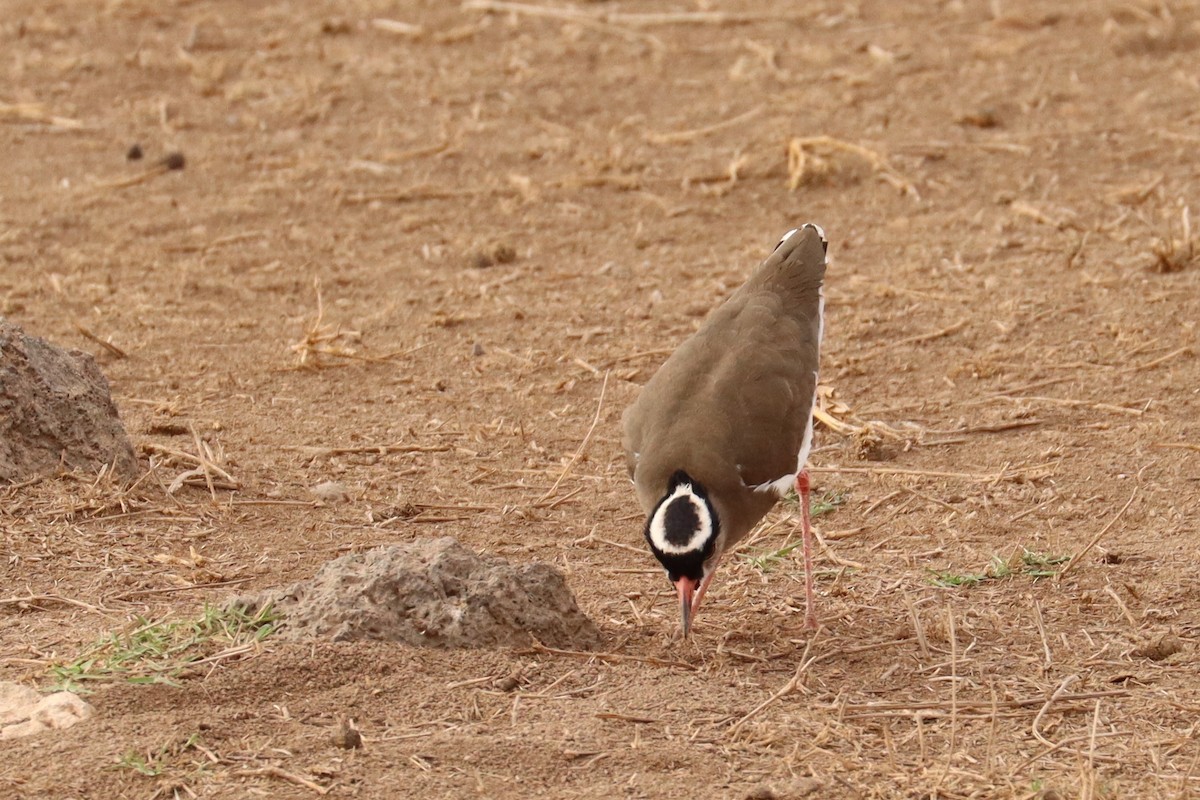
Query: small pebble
[
  {"x": 984, "y": 118},
  {"x": 134, "y": 153},
  {"x": 331, "y": 492},
  {"x": 504, "y": 254},
  {"x": 174, "y": 160},
  {"x": 499, "y": 254},
  {"x": 346, "y": 736}
]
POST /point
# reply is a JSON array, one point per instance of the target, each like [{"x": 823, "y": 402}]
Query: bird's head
[{"x": 683, "y": 532}]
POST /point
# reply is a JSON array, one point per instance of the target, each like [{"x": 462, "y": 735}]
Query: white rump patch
[{"x": 658, "y": 523}]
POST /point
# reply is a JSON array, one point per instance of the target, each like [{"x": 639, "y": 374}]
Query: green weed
[
  {"x": 825, "y": 504},
  {"x": 1032, "y": 565},
  {"x": 158, "y": 651}
]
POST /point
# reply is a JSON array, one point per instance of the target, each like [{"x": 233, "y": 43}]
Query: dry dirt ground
[{"x": 502, "y": 209}]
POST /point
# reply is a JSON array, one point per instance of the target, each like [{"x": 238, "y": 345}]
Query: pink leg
[{"x": 810, "y": 614}]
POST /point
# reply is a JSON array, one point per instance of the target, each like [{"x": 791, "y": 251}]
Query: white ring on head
[
  {"x": 658, "y": 523},
  {"x": 820, "y": 231}
]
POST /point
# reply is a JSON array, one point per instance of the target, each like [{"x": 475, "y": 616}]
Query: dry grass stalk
[
  {"x": 31, "y": 600},
  {"x": 1062, "y": 688},
  {"x": 635, "y": 19},
  {"x": 832, "y": 556},
  {"x": 418, "y": 152},
  {"x": 1071, "y": 403},
  {"x": 1028, "y": 473},
  {"x": 1057, "y": 696},
  {"x": 813, "y": 157},
  {"x": 207, "y": 471},
  {"x": 598, "y": 22},
  {"x": 788, "y": 688},
  {"x": 154, "y": 171},
  {"x": 916, "y": 339},
  {"x": 273, "y": 771},
  {"x": 313, "y": 453},
  {"x": 324, "y": 340},
  {"x": 1111, "y": 592},
  {"x": 615, "y": 658},
  {"x": 107, "y": 345},
  {"x": 1178, "y": 445},
  {"x": 697, "y": 18},
  {"x": 1173, "y": 254},
  {"x": 1021, "y": 208},
  {"x": 856, "y": 711},
  {"x": 1095, "y": 539},
  {"x": 425, "y": 191},
  {"x": 840, "y": 418},
  {"x": 1041, "y": 626},
  {"x": 697, "y": 133},
  {"x": 918, "y": 628},
  {"x": 35, "y": 112},
  {"x": 582, "y": 445},
  {"x": 1182, "y": 351},
  {"x": 399, "y": 28}
]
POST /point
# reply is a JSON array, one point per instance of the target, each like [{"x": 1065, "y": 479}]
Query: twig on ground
[
  {"x": 312, "y": 453},
  {"x": 1057, "y": 695},
  {"x": 273, "y": 771},
  {"x": 918, "y": 338},
  {"x": 696, "y": 133},
  {"x": 810, "y": 155},
  {"x": 1078, "y": 556},
  {"x": 582, "y": 445},
  {"x": 35, "y": 599},
  {"x": 109, "y": 346},
  {"x": 33, "y": 112},
  {"x": 1004, "y": 474},
  {"x": 538, "y": 647},
  {"x": 873, "y": 709},
  {"x": 788, "y": 688}
]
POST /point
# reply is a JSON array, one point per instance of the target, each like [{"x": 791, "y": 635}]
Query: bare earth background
[{"x": 501, "y": 209}]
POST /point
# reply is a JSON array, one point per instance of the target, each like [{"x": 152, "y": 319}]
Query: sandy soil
[{"x": 501, "y": 210}]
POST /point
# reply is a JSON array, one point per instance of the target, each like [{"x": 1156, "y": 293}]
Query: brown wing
[{"x": 734, "y": 400}]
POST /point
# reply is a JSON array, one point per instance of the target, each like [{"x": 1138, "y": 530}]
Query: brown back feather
[{"x": 739, "y": 392}]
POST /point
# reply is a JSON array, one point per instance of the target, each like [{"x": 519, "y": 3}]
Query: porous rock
[
  {"x": 55, "y": 411},
  {"x": 24, "y": 712},
  {"x": 431, "y": 592}
]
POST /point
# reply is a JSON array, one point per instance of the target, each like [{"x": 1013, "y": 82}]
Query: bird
[{"x": 724, "y": 428}]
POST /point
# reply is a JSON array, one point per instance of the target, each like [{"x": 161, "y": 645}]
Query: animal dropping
[{"x": 724, "y": 428}]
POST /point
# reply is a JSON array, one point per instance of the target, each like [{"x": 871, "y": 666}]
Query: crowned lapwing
[{"x": 724, "y": 428}]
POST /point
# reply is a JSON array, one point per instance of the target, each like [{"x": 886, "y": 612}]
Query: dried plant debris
[
  {"x": 1176, "y": 251},
  {"x": 163, "y": 650},
  {"x": 818, "y": 158},
  {"x": 1159, "y": 649}
]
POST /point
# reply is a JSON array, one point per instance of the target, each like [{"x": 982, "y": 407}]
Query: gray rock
[
  {"x": 433, "y": 593},
  {"x": 55, "y": 411}
]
